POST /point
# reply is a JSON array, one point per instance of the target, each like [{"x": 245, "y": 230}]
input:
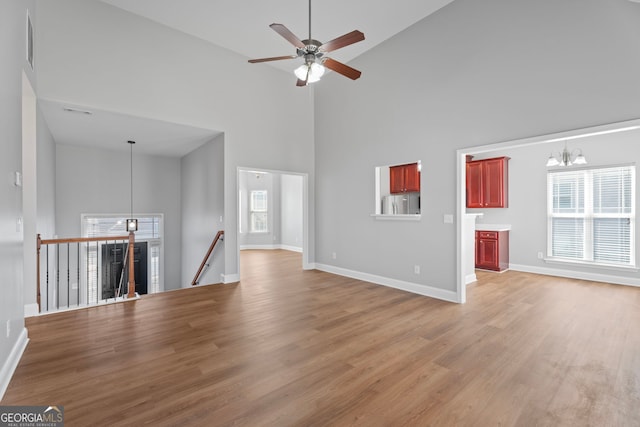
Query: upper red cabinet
[
  {"x": 487, "y": 183},
  {"x": 404, "y": 178}
]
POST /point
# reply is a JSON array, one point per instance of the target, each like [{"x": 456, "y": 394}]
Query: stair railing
[
  {"x": 70, "y": 267},
  {"x": 205, "y": 261}
]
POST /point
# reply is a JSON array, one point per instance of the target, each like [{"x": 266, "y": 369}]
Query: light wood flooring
[{"x": 287, "y": 347}]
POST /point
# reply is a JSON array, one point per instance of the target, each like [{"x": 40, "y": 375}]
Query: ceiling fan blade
[
  {"x": 301, "y": 83},
  {"x": 342, "y": 41},
  {"x": 274, "y": 58},
  {"x": 341, "y": 68},
  {"x": 284, "y": 32}
]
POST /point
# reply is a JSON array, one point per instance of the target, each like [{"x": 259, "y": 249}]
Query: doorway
[
  {"x": 272, "y": 211},
  {"x": 115, "y": 275}
]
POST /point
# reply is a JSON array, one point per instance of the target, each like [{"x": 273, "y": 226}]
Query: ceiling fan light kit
[{"x": 313, "y": 52}]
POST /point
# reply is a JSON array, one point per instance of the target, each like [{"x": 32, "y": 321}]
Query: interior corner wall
[
  {"x": 100, "y": 56},
  {"x": 46, "y": 185},
  {"x": 291, "y": 208},
  {"x": 44, "y": 196},
  {"x": 13, "y": 66},
  {"x": 202, "y": 188},
  {"x": 97, "y": 181},
  {"x": 471, "y": 74}
]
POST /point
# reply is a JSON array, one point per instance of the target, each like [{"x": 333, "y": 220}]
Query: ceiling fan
[{"x": 313, "y": 52}]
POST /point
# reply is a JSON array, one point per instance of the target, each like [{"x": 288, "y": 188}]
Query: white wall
[
  {"x": 473, "y": 73},
  {"x": 527, "y": 211},
  {"x": 117, "y": 61},
  {"x": 291, "y": 211},
  {"x": 43, "y": 221},
  {"x": 202, "y": 189},
  {"x": 12, "y": 64},
  {"x": 97, "y": 181},
  {"x": 46, "y": 185}
]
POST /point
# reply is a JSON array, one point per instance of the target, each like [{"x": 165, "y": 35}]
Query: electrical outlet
[
  {"x": 74, "y": 286},
  {"x": 540, "y": 255},
  {"x": 334, "y": 256},
  {"x": 416, "y": 269}
]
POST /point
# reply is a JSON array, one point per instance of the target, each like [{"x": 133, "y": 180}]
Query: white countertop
[{"x": 493, "y": 227}]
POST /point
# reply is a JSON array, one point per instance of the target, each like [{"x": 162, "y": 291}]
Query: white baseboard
[
  {"x": 290, "y": 248},
  {"x": 10, "y": 365},
  {"x": 31, "y": 310},
  {"x": 230, "y": 278},
  {"x": 271, "y": 247},
  {"x": 470, "y": 278},
  {"x": 581, "y": 275},
  {"x": 415, "y": 288}
]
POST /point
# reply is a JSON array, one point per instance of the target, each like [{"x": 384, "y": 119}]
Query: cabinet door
[
  {"x": 495, "y": 183},
  {"x": 487, "y": 254},
  {"x": 396, "y": 179},
  {"x": 411, "y": 178},
  {"x": 474, "y": 185}
]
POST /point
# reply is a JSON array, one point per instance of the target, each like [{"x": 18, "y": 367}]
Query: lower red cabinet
[{"x": 492, "y": 250}]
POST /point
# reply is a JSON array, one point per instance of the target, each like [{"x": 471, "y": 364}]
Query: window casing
[
  {"x": 258, "y": 213},
  {"x": 591, "y": 215},
  {"x": 150, "y": 229}
]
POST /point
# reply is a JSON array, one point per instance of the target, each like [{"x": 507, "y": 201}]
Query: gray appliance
[{"x": 401, "y": 204}]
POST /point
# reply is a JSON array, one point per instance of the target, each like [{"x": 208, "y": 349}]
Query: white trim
[
  {"x": 272, "y": 247},
  {"x": 31, "y": 310},
  {"x": 470, "y": 278},
  {"x": 230, "y": 278},
  {"x": 590, "y": 264},
  {"x": 580, "y": 275},
  {"x": 402, "y": 217},
  {"x": 415, "y": 288},
  {"x": 12, "y": 361},
  {"x": 101, "y": 303}
]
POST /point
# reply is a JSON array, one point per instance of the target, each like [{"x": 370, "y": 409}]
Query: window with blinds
[
  {"x": 591, "y": 215},
  {"x": 258, "y": 211}
]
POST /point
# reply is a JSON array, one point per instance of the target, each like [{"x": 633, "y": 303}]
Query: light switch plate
[
  {"x": 17, "y": 179},
  {"x": 448, "y": 218}
]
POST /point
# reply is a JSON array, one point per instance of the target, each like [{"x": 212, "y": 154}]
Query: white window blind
[
  {"x": 258, "y": 206},
  {"x": 592, "y": 215}
]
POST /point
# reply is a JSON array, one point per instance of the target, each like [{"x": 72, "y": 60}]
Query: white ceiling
[
  {"x": 243, "y": 27},
  {"x": 111, "y": 131}
]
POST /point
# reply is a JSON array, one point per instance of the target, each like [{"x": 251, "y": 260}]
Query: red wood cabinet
[
  {"x": 404, "y": 178},
  {"x": 487, "y": 183},
  {"x": 492, "y": 250}
]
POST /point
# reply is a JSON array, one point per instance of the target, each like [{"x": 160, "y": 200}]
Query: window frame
[
  {"x": 589, "y": 216},
  {"x": 256, "y": 210}
]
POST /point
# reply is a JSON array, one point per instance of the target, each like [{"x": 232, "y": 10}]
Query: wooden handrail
[
  {"x": 81, "y": 239},
  {"x": 206, "y": 257}
]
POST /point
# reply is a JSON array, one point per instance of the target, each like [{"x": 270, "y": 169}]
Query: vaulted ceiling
[{"x": 242, "y": 27}]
